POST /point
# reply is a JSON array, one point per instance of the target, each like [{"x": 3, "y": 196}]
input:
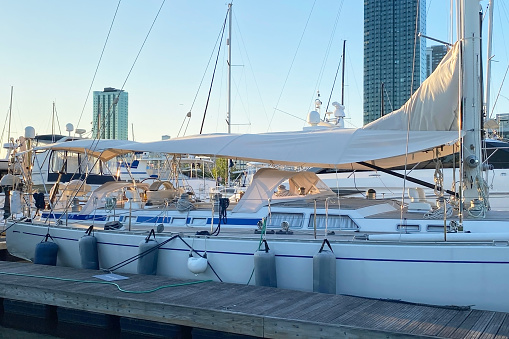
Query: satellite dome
[
  {"x": 29, "y": 132},
  {"x": 313, "y": 118}
]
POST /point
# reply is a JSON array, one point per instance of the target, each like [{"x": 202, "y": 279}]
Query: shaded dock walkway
[{"x": 241, "y": 309}]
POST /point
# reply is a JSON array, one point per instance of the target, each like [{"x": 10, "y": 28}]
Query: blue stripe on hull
[{"x": 295, "y": 256}]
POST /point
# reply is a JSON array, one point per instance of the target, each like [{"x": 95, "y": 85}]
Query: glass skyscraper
[
  {"x": 389, "y": 40},
  {"x": 110, "y": 114},
  {"x": 434, "y": 55}
]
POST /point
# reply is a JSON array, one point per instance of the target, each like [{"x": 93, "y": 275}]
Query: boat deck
[{"x": 253, "y": 311}]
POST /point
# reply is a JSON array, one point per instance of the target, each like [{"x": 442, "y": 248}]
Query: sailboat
[{"x": 307, "y": 238}]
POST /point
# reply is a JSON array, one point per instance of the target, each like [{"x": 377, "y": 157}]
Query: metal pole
[
  {"x": 228, "y": 113},
  {"x": 488, "y": 62},
  {"x": 229, "y": 84},
  {"x": 10, "y": 112},
  {"x": 343, "y": 76}
]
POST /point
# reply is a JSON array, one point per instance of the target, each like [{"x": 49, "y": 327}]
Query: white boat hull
[{"x": 467, "y": 273}]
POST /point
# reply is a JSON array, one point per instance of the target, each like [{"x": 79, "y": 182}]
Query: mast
[
  {"x": 488, "y": 61},
  {"x": 471, "y": 104},
  {"x": 343, "y": 76},
  {"x": 10, "y": 113},
  {"x": 53, "y": 123},
  {"x": 228, "y": 113}
]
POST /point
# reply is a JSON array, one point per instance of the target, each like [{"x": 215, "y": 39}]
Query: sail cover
[{"x": 433, "y": 106}]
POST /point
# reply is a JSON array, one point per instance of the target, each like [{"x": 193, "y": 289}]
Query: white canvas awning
[
  {"x": 266, "y": 180},
  {"x": 105, "y": 149},
  {"x": 333, "y": 148}
]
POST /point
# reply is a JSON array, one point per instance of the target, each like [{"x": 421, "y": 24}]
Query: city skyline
[{"x": 394, "y": 56}]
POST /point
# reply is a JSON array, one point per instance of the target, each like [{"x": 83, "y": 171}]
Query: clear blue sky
[{"x": 50, "y": 50}]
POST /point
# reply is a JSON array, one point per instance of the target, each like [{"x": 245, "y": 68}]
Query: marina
[
  {"x": 110, "y": 238},
  {"x": 196, "y": 308}
]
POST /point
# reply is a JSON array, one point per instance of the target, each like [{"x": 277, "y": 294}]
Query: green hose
[{"x": 105, "y": 282}]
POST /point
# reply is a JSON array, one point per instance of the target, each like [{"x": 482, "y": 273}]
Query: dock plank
[
  {"x": 494, "y": 325},
  {"x": 503, "y": 331},
  {"x": 246, "y": 309}
]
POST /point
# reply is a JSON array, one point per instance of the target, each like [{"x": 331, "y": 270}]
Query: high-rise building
[
  {"x": 110, "y": 114},
  {"x": 434, "y": 54},
  {"x": 389, "y": 42},
  {"x": 503, "y": 125}
]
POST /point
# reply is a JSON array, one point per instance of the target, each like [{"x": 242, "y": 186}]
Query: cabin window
[
  {"x": 341, "y": 222},
  {"x": 199, "y": 221},
  {"x": 71, "y": 162},
  {"x": 437, "y": 228},
  {"x": 178, "y": 221},
  {"x": 408, "y": 228},
  {"x": 295, "y": 220}
]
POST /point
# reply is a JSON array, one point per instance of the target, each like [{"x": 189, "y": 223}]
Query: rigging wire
[
  {"x": 503, "y": 10},
  {"x": 334, "y": 82},
  {"x": 499, "y": 90},
  {"x": 251, "y": 69},
  {"x": 417, "y": 16},
  {"x": 291, "y": 65},
  {"x": 99, "y": 62},
  {"x": 219, "y": 38},
  {"x": 388, "y": 98},
  {"x": 58, "y": 121},
  {"x": 110, "y": 109},
  {"x": 327, "y": 52},
  {"x": 214, "y": 72},
  {"x": 142, "y": 45}
]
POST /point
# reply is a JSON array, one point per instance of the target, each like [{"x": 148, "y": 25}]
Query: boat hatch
[
  {"x": 338, "y": 222},
  {"x": 408, "y": 228},
  {"x": 295, "y": 220}
]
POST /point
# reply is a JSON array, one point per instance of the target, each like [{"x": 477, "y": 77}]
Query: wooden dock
[{"x": 240, "y": 309}]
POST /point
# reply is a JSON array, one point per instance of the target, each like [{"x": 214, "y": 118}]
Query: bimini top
[{"x": 266, "y": 185}]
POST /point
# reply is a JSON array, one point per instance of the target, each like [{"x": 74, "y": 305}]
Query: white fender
[{"x": 197, "y": 265}]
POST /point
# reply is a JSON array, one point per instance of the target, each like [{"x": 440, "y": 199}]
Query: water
[{"x": 10, "y": 333}]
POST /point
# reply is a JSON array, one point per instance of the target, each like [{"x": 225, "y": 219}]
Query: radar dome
[
  {"x": 29, "y": 132},
  {"x": 313, "y": 118}
]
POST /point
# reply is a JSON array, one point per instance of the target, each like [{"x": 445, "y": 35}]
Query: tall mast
[
  {"x": 471, "y": 104},
  {"x": 10, "y": 113},
  {"x": 228, "y": 113},
  {"x": 343, "y": 76},
  {"x": 53, "y": 124},
  {"x": 488, "y": 61}
]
